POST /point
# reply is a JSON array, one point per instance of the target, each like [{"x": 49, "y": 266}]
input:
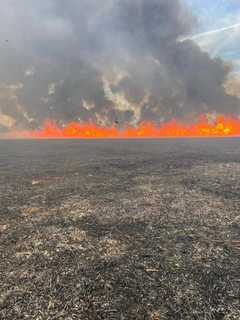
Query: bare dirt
[{"x": 140, "y": 229}]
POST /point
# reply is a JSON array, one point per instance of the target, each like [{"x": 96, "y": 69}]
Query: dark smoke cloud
[{"x": 105, "y": 61}]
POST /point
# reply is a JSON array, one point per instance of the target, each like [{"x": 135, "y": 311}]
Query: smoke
[{"x": 105, "y": 61}]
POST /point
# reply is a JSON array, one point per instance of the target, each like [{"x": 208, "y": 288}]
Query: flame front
[{"x": 221, "y": 126}]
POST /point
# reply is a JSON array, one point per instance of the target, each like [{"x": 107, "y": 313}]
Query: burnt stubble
[{"x": 134, "y": 229}]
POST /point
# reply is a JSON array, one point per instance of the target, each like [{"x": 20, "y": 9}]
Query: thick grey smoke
[{"x": 104, "y": 61}]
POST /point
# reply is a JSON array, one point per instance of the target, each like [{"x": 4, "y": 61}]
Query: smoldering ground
[{"x": 102, "y": 61}]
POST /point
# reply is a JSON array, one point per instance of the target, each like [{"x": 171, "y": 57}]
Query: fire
[{"x": 221, "y": 126}]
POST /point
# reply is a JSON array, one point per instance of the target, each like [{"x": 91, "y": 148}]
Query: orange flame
[{"x": 222, "y": 126}]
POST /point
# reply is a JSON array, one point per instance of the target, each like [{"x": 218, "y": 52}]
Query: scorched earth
[{"x": 126, "y": 229}]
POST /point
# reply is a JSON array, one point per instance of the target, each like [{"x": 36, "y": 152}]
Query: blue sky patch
[{"x": 215, "y": 15}]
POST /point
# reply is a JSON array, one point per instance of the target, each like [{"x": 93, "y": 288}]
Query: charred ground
[{"x": 120, "y": 229}]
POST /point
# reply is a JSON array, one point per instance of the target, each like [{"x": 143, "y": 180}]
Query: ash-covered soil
[{"x": 120, "y": 229}]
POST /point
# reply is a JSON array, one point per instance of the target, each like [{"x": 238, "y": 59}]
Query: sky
[{"x": 217, "y": 14}]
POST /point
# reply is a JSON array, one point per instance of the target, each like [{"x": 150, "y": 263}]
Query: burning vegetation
[{"x": 220, "y": 126}]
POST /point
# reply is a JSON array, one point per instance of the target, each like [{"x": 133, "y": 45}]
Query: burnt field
[{"x": 142, "y": 229}]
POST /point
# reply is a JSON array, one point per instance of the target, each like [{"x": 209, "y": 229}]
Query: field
[{"x": 134, "y": 229}]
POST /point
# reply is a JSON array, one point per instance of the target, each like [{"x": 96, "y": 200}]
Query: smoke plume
[{"x": 105, "y": 61}]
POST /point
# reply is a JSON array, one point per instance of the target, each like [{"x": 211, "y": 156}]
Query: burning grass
[
  {"x": 141, "y": 231},
  {"x": 205, "y": 126}
]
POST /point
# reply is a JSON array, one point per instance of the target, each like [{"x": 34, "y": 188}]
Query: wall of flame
[{"x": 220, "y": 126}]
